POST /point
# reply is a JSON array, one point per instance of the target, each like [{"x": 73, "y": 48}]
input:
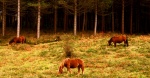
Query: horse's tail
[
  {"x": 127, "y": 42},
  {"x": 81, "y": 63},
  {"x": 24, "y": 39}
]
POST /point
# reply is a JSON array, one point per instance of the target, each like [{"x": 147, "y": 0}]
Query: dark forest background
[{"x": 58, "y": 15}]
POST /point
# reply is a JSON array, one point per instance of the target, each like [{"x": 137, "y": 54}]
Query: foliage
[
  {"x": 104, "y": 5},
  {"x": 35, "y": 4}
]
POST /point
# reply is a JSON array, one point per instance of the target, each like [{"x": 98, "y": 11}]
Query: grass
[{"x": 41, "y": 58}]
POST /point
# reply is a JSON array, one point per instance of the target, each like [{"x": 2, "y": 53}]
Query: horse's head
[
  {"x": 60, "y": 70},
  {"x": 11, "y": 41}
]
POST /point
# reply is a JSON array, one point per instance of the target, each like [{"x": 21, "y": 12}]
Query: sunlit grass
[{"x": 41, "y": 58}]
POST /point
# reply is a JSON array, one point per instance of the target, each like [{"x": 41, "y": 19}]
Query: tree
[
  {"x": 77, "y": 7},
  {"x": 95, "y": 23},
  {"x": 71, "y": 6},
  {"x": 104, "y": 5},
  {"x": 39, "y": 5},
  {"x": 65, "y": 19},
  {"x": 3, "y": 18},
  {"x": 55, "y": 18},
  {"x": 54, "y": 4},
  {"x": 13, "y": 10},
  {"x": 38, "y": 19},
  {"x": 86, "y": 8},
  {"x": 100, "y": 8},
  {"x": 75, "y": 17},
  {"x": 84, "y": 19},
  {"x": 18, "y": 19},
  {"x": 122, "y": 25},
  {"x": 113, "y": 18},
  {"x": 131, "y": 16}
]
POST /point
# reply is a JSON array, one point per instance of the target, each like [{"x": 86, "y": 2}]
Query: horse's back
[
  {"x": 79, "y": 62},
  {"x": 119, "y": 38},
  {"x": 22, "y": 37},
  {"x": 73, "y": 62}
]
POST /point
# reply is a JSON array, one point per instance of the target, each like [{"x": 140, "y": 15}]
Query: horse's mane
[{"x": 63, "y": 62}]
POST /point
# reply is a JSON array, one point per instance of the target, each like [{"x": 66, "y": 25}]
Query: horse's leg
[
  {"x": 115, "y": 44},
  {"x": 127, "y": 42},
  {"x": 68, "y": 68},
  {"x": 79, "y": 70},
  {"x": 124, "y": 43},
  {"x": 82, "y": 69},
  {"x": 22, "y": 41}
]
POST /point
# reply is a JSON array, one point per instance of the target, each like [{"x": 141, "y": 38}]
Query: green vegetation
[{"x": 41, "y": 58}]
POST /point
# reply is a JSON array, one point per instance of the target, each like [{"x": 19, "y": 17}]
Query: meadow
[{"x": 41, "y": 58}]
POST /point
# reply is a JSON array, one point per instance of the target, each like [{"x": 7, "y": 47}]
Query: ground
[{"x": 42, "y": 57}]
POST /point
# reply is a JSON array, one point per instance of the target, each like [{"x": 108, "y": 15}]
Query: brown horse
[
  {"x": 118, "y": 39},
  {"x": 20, "y": 39},
  {"x": 71, "y": 63}
]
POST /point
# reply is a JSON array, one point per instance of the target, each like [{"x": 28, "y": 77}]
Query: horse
[
  {"x": 118, "y": 39},
  {"x": 71, "y": 63},
  {"x": 20, "y": 39}
]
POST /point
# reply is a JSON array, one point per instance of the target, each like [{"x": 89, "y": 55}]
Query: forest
[{"x": 53, "y": 16}]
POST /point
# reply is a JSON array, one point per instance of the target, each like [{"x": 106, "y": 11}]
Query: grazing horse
[
  {"x": 71, "y": 63},
  {"x": 118, "y": 39},
  {"x": 20, "y": 39}
]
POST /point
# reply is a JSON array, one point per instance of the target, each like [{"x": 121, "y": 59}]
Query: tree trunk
[
  {"x": 55, "y": 19},
  {"x": 84, "y": 19},
  {"x": 113, "y": 18},
  {"x": 75, "y": 17},
  {"x": 79, "y": 19},
  {"x": 103, "y": 22},
  {"x": 18, "y": 21},
  {"x": 95, "y": 24},
  {"x": 131, "y": 16},
  {"x": 138, "y": 16},
  {"x": 122, "y": 17},
  {"x": 65, "y": 20},
  {"x": 4, "y": 18},
  {"x": 38, "y": 19}
]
